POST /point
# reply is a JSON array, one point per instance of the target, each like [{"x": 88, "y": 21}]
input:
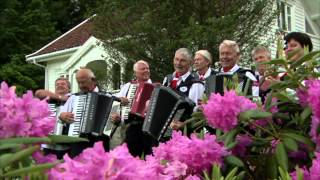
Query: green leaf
[
  {"x": 290, "y": 144},
  {"x": 230, "y": 136},
  {"x": 66, "y": 139},
  {"x": 18, "y": 155},
  {"x": 253, "y": 114},
  {"x": 306, "y": 113},
  {"x": 281, "y": 156},
  {"x": 25, "y": 140},
  {"x": 296, "y": 136},
  {"x": 305, "y": 58},
  {"x": 284, "y": 175},
  {"x": 232, "y": 145},
  {"x": 232, "y": 174},
  {"x": 31, "y": 169},
  {"x": 276, "y": 62},
  {"x": 9, "y": 146},
  {"x": 271, "y": 168},
  {"x": 233, "y": 160},
  {"x": 216, "y": 173}
]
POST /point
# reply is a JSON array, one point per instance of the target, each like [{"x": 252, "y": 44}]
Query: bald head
[
  {"x": 86, "y": 80},
  {"x": 141, "y": 70}
]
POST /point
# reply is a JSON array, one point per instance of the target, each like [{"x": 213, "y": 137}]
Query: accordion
[
  {"x": 143, "y": 94},
  {"x": 125, "y": 110},
  {"x": 59, "y": 126},
  {"x": 110, "y": 127},
  {"x": 91, "y": 113},
  {"x": 163, "y": 106},
  {"x": 216, "y": 83}
]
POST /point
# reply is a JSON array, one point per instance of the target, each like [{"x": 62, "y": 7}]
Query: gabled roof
[{"x": 75, "y": 37}]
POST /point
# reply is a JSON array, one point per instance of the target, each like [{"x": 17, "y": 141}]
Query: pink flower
[
  {"x": 222, "y": 111},
  {"x": 197, "y": 154},
  {"x": 315, "y": 168},
  {"x": 306, "y": 175},
  {"x": 40, "y": 158},
  {"x": 314, "y": 101},
  {"x": 303, "y": 97},
  {"x": 91, "y": 164},
  {"x": 26, "y": 116}
]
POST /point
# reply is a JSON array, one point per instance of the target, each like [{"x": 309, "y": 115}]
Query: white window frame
[{"x": 285, "y": 17}]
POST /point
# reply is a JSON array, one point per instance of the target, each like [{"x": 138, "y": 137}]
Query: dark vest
[
  {"x": 242, "y": 78},
  {"x": 184, "y": 87}
]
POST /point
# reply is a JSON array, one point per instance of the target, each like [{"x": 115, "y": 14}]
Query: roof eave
[{"x": 51, "y": 56}]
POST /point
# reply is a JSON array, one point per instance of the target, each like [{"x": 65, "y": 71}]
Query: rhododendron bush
[{"x": 234, "y": 137}]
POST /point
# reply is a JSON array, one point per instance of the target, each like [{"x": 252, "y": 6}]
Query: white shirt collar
[
  {"x": 232, "y": 70},
  {"x": 185, "y": 76},
  {"x": 207, "y": 74},
  {"x": 96, "y": 89}
]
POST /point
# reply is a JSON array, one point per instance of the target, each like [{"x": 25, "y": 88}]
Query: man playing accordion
[
  {"x": 183, "y": 81},
  {"x": 87, "y": 83},
  {"x": 138, "y": 143}
]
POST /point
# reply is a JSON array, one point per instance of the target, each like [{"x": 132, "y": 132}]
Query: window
[
  {"x": 308, "y": 27},
  {"x": 284, "y": 16}
]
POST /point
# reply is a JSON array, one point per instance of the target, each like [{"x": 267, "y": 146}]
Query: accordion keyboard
[
  {"x": 74, "y": 129},
  {"x": 125, "y": 110}
]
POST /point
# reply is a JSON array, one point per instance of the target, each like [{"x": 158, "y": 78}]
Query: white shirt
[
  {"x": 124, "y": 89},
  {"x": 207, "y": 74},
  {"x": 236, "y": 68}
]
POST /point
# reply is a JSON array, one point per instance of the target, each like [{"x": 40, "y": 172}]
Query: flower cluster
[
  {"x": 179, "y": 157},
  {"x": 197, "y": 154},
  {"x": 222, "y": 111},
  {"x": 311, "y": 97},
  {"x": 314, "y": 171},
  {"x": 23, "y": 117}
]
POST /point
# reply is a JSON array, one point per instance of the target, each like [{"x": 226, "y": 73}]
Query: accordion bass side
[
  {"x": 91, "y": 113},
  {"x": 163, "y": 106},
  {"x": 215, "y": 83}
]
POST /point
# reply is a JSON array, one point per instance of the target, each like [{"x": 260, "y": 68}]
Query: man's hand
[
  {"x": 176, "y": 125},
  {"x": 115, "y": 118},
  {"x": 124, "y": 101},
  {"x": 268, "y": 82},
  {"x": 66, "y": 117}
]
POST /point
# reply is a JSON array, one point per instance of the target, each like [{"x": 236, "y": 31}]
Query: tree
[
  {"x": 27, "y": 25},
  {"x": 153, "y": 30}
]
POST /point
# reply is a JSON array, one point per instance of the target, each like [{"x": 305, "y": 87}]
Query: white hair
[
  {"x": 261, "y": 49},
  {"x": 231, "y": 44},
  {"x": 206, "y": 54},
  {"x": 185, "y": 52},
  {"x": 88, "y": 71},
  {"x": 135, "y": 66}
]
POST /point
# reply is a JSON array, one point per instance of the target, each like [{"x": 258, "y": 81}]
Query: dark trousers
[
  {"x": 77, "y": 148},
  {"x": 138, "y": 143}
]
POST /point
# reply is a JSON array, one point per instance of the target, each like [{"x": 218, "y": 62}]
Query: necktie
[{"x": 175, "y": 80}]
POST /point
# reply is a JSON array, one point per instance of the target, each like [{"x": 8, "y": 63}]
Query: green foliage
[
  {"x": 216, "y": 174},
  {"x": 27, "y": 26},
  {"x": 154, "y": 30},
  {"x": 270, "y": 154},
  {"x": 16, "y": 156}
]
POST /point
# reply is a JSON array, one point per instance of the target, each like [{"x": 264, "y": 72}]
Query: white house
[
  {"x": 72, "y": 50},
  {"x": 300, "y": 16},
  {"x": 78, "y": 47}
]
